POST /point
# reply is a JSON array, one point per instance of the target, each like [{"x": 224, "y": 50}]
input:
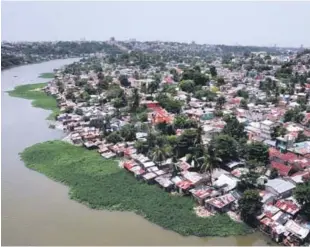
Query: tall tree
[
  {"x": 114, "y": 137},
  {"x": 220, "y": 102},
  {"x": 103, "y": 84},
  {"x": 128, "y": 132},
  {"x": 124, "y": 81},
  {"x": 160, "y": 154},
  {"x": 135, "y": 99},
  {"x": 248, "y": 181},
  {"x": 233, "y": 128},
  {"x": 152, "y": 87},
  {"x": 213, "y": 71},
  {"x": 250, "y": 206},
  {"x": 294, "y": 115},
  {"x": 220, "y": 81},
  {"x": 244, "y": 104},
  {"x": 224, "y": 147},
  {"x": 209, "y": 164},
  {"x": 187, "y": 86},
  {"x": 198, "y": 139},
  {"x": 257, "y": 151},
  {"x": 302, "y": 195}
]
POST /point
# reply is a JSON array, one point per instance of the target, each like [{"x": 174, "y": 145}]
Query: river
[{"x": 37, "y": 211}]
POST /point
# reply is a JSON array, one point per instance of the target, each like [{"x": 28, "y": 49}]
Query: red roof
[
  {"x": 184, "y": 184},
  {"x": 127, "y": 151},
  {"x": 152, "y": 104},
  {"x": 303, "y": 163},
  {"x": 287, "y": 206},
  {"x": 203, "y": 193},
  {"x": 290, "y": 157},
  {"x": 161, "y": 115},
  {"x": 236, "y": 100},
  {"x": 128, "y": 165},
  {"x": 184, "y": 166},
  {"x": 221, "y": 201},
  {"x": 307, "y": 115},
  {"x": 266, "y": 221},
  {"x": 307, "y": 133},
  {"x": 168, "y": 80},
  {"x": 282, "y": 169}
]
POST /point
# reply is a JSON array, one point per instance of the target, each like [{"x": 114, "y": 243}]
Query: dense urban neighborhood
[{"x": 226, "y": 126}]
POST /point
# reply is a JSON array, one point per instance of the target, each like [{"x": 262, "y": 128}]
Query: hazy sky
[{"x": 245, "y": 23}]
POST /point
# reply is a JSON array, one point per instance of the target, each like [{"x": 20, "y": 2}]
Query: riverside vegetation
[
  {"x": 47, "y": 75},
  {"x": 101, "y": 184},
  {"x": 39, "y": 98}
]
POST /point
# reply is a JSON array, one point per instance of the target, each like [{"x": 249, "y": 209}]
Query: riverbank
[
  {"x": 24, "y": 63},
  {"x": 44, "y": 215},
  {"x": 101, "y": 184},
  {"x": 39, "y": 98}
]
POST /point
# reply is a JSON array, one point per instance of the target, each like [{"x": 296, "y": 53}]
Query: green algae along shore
[
  {"x": 101, "y": 184},
  {"x": 39, "y": 98},
  {"x": 47, "y": 75}
]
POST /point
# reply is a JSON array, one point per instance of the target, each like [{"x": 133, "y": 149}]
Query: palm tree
[
  {"x": 160, "y": 154},
  {"x": 198, "y": 139},
  {"x": 151, "y": 139},
  {"x": 207, "y": 166},
  {"x": 209, "y": 163},
  {"x": 220, "y": 102},
  {"x": 152, "y": 87},
  {"x": 196, "y": 156},
  {"x": 135, "y": 99}
]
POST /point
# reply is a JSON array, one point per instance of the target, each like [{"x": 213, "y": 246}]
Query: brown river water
[{"x": 38, "y": 211}]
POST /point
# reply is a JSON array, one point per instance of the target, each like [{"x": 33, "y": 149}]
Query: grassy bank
[
  {"x": 39, "y": 98},
  {"x": 101, "y": 184},
  {"x": 47, "y": 75}
]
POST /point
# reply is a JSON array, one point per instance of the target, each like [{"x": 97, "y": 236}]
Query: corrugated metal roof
[{"x": 280, "y": 185}]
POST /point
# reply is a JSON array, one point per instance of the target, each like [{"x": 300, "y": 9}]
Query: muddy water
[{"x": 37, "y": 211}]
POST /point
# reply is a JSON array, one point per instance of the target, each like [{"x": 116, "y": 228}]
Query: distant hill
[{"x": 14, "y": 54}]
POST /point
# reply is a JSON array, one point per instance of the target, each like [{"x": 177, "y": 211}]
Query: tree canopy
[
  {"x": 302, "y": 195},
  {"x": 233, "y": 128},
  {"x": 257, "y": 151},
  {"x": 250, "y": 206},
  {"x": 224, "y": 147},
  {"x": 294, "y": 115}
]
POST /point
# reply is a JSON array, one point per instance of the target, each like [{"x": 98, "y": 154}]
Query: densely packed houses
[{"x": 121, "y": 109}]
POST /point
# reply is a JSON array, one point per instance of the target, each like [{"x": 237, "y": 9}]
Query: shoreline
[
  {"x": 220, "y": 225},
  {"x": 103, "y": 185},
  {"x": 38, "y": 98},
  {"x": 44, "y": 61}
]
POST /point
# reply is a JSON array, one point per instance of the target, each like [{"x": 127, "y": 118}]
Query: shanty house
[
  {"x": 280, "y": 187},
  {"x": 220, "y": 204},
  {"x": 202, "y": 192}
]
